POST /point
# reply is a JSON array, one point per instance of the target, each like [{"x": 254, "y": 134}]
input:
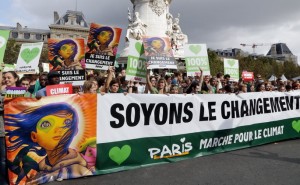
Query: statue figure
[
  {"x": 178, "y": 39},
  {"x": 169, "y": 31},
  {"x": 136, "y": 27}
]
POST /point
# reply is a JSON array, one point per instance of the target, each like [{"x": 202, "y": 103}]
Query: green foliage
[
  {"x": 11, "y": 52},
  {"x": 264, "y": 66}
]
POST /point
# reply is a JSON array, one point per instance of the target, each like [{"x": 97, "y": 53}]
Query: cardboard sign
[
  {"x": 29, "y": 57},
  {"x": 247, "y": 76},
  {"x": 136, "y": 64},
  {"x": 15, "y": 92},
  {"x": 3, "y": 41},
  {"x": 159, "y": 53},
  {"x": 196, "y": 56},
  {"x": 102, "y": 45},
  {"x": 52, "y": 90},
  {"x": 231, "y": 67}
]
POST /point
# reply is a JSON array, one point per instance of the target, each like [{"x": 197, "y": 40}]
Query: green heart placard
[
  {"x": 119, "y": 155},
  {"x": 296, "y": 125},
  {"x": 139, "y": 48},
  {"x": 2, "y": 41},
  {"x": 196, "y": 49},
  {"x": 231, "y": 62},
  {"x": 29, "y": 54}
]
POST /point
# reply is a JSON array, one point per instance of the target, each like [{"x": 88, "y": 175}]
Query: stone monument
[{"x": 153, "y": 18}]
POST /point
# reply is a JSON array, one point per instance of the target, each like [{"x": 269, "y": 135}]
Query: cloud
[{"x": 220, "y": 24}]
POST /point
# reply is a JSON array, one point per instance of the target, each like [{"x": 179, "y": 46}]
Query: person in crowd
[
  {"x": 213, "y": 86},
  {"x": 3, "y": 167},
  {"x": 10, "y": 79},
  {"x": 194, "y": 88},
  {"x": 25, "y": 82},
  {"x": 123, "y": 72},
  {"x": 288, "y": 88},
  {"x": 177, "y": 78},
  {"x": 296, "y": 85},
  {"x": 268, "y": 86},
  {"x": 242, "y": 88},
  {"x": 282, "y": 88},
  {"x": 184, "y": 86},
  {"x": 39, "y": 84},
  {"x": 174, "y": 89},
  {"x": 53, "y": 79},
  {"x": 226, "y": 79},
  {"x": 89, "y": 87},
  {"x": 260, "y": 87},
  {"x": 124, "y": 85}
]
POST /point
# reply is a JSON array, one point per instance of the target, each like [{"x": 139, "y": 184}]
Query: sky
[{"x": 221, "y": 24}]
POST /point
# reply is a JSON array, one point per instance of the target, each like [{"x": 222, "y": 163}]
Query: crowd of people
[{"x": 162, "y": 82}]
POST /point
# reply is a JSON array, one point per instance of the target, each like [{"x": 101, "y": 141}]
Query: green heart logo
[
  {"x": 139, "y": 48},
  {"x": 231, "y": 62},
  {"x": 28, "y": 55},
  {"x": 296, "y": 125},
  {"x": 119, "y": 155},
  {"x": 195, "y": 49},
  {"x": 2, "y": 41}
]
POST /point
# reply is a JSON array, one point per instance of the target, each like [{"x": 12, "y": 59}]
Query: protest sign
[
  {"x": 247, "y": 76},
  {"x": 159, "y": 53},
  {"x": 29, "y": 57},
  {"x": 102, "y": 44},
  {"x": 196, "y": 57},
  {"x": 46, "y": 67},
  {"x": 136, "y": 64},
  {"x": 9, "y": 67},
  {"x": 67, "y": 57},
  {"x": 52, "y": 90},
  {"x": 4, "y": 34},
  {"x": 14, "y": 92},
  {"x": 231, "y": 67}
]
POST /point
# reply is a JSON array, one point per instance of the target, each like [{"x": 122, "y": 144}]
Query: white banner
[{"x": 141, "y": 116}]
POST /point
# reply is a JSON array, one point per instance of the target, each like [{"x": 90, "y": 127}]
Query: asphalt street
[{"x": 271, "y": 164}]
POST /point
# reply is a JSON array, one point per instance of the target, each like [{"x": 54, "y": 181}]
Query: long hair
[
  {"x": 26, "y": 122},
  {"x": 96, "y": 31},
  {"x": 55, "y": 47}
]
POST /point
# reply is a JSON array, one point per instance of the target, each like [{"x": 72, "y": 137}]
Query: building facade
[
  {"x": 281, "y": 52},
  {"x": 71, "y": 25}
]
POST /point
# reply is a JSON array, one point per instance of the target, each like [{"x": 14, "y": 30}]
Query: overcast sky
[{"x": 221, "y": 24}]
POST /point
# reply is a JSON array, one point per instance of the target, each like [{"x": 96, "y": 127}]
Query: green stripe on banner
[{"x": 130, "y": 154}]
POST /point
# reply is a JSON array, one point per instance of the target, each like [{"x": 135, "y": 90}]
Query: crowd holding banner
[{"x": 108, "y": 126}]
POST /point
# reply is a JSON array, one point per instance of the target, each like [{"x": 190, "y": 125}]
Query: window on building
[
  {"x": 14, "y": 34},
  {"x": 26, "y": 35},
  {"x": 38, "y": 36}
]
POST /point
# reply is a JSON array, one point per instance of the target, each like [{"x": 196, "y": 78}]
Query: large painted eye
[
  {"x": 63, "y": 48},
  {"x": 68, "y": 122},
  {"x": 45, "y": 124}
]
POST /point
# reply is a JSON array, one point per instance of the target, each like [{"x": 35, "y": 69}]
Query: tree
[{"x": 11, "y": 52}]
